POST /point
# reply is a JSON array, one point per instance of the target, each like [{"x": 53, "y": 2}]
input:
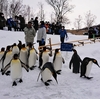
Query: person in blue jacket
[{"x": 63, "y": 33}]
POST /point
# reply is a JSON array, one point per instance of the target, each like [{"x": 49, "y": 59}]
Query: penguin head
[
  {"x": 30, "y": 45},
  {"x": 44, "y": 48},
  {"x": 15, "y": 56},
  {"x": 95, "y": 62},
  {"x": 56, "y": 50},
  {"x": 8, "y": 48},
  {"x": 19, "y": 42},
  {"x": 14, "y": 44},
  {"x": 23, "y": 46},
  {"x": 2, "y": 49},
  {"x": 74, "y": 50}
]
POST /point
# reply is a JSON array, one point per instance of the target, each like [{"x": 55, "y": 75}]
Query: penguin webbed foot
[
  {"x": 32, "y": 68},
  {"x": 7, "y": 73},
  {"x": 49, "y": 80},
  {"x": 1, "y": 70},
  {"x": 14, "y": 84},
  {"x": 20, "y": 80},
  {"x": 47, "y": 84}
]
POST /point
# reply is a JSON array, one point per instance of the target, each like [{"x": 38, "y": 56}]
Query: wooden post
[{"x": 50, "y": 46}]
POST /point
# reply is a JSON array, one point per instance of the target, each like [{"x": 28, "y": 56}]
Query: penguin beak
[{"x": 98, "y": 65}]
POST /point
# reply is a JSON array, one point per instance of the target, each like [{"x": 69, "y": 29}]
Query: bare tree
[
  {"x": 6, "y": 12},
  {"x": 41, "y": 12},
  {"x": 61, "y": 7},
  {"x": 4, "y": 7},
  {"x": 89, "y": 19},
  {"x": 28, "y": 12},
  {"x": 78, "y": 22},
  {"x": 16, "y": 7},
  {"x": 2, "y": 4}
]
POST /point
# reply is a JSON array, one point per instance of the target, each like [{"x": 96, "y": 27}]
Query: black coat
[
  {"x": 2, "y": 22},
  {"x": 36, "y": 24}
]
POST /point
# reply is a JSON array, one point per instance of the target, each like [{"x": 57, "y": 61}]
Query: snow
[{"x": 70, "y": 85}]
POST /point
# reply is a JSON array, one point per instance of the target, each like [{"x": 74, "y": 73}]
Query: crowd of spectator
[
  {"x": 18, "y": 24},
  {"x": 94, "y": 32}
]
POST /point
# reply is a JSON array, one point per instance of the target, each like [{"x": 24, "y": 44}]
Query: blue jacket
[{"x": 63, "y": 33}]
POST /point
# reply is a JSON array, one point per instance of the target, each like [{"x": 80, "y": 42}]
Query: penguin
[
  {"x": 19, "y": 45},
  {"x": 32, "y": 57},
  {"x": 86, "y": 67},
  {"x": 23, "y": 54},
  {"x": 15, "y": 49},
  {"x": 57, "y": 61},
  {"x": 43, "y": 57},
  {"x": 1, "y": 55},
  {"x": 16, "y": 69},
  {"x": 75, "y": 62},
  {"x": 47, "y": 72},
  {"x": 6, "y": 58}
]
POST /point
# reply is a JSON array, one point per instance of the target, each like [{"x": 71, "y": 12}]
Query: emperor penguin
[
  {"x": 75, "y": 62},
  {"x": 16, "y": 69},
  {"x": 1, "y": 55},
  {"x": 23, "y": 56},
  {"x": 15, "y": 49},
  {"x": 43, "y": 57},
  {"x": 86, "y": 67},
  {"x": 6, "y": 58},
  {"x": 19, "y": 45},
  {"x": 57, "y": 61},
  {"x": 32, "y": 57},
  {"x": 47, "y": 72}
]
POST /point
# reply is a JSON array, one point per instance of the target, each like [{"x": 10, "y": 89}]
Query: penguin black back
[
  {"x": 56, "y": 51},
  {"x": 50, "y": 66}
]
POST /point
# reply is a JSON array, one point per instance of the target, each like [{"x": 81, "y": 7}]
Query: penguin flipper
[
  {"x": 5, "y": 69},
  {"x": 46, "y": 83},
  {"x": 25, "y": 66},
  {"x": 39, "y": 75}
]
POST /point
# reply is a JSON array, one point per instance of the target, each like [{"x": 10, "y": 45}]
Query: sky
[
  {"x": 81, "y": 8},
  {"x": 70, "y": 85}
]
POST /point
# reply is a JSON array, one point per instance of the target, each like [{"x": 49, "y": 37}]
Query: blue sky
[{"x": 81, "y": 8}]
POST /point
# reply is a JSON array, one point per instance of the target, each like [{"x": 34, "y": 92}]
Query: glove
[{"x": 42, "y": 41}]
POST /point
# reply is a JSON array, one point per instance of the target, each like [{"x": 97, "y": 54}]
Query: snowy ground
[{"x": 70, "y": 86}]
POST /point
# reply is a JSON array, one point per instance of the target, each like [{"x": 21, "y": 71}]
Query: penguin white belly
[
  {"x": 46, "y": 75},
  {"x": 32, "y": 59},
  {"x": 88, "y": 68},
  {"x": 15, "y": 50},
  {"x": 8, "y": 58},
  {"x": 23, "y": 56},
  {"x": 58, "y": 63},
  {"x": 1, "y": 54},
  {"x": 16, "y": 70},
  {"x": 45, "y": 58}
]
